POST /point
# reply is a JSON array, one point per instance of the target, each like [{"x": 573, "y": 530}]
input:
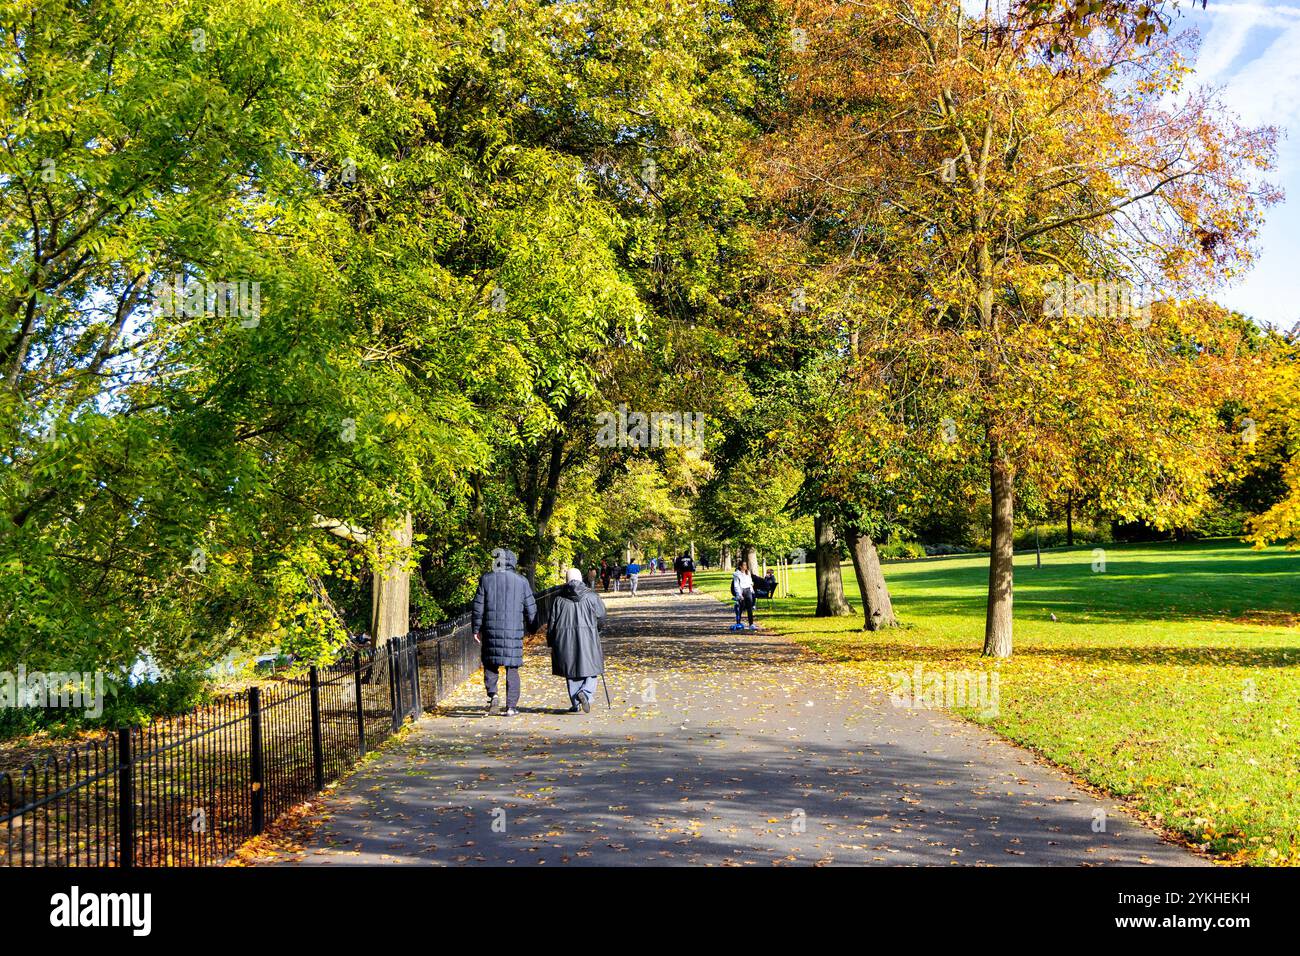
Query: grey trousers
[{"x": 582, "y": 687}]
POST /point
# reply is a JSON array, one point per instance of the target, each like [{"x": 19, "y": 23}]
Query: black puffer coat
[
  {"x": 504, "y": 611},
  {"x": 573, "y": 631}
]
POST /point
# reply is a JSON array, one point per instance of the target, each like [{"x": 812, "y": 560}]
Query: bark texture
[
  {"x": 830, "y": 583},
  {"x": 877, "y": 606}
]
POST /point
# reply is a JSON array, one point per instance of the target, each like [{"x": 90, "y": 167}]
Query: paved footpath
[{"x": 719, "y": 749}]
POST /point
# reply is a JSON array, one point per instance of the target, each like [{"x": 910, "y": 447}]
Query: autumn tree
[
  {"x": 1272, "y": 432},
  {"x": 1017, "y": 192}
]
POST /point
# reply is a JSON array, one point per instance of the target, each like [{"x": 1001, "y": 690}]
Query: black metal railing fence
[{"x": 189, "y": 790}]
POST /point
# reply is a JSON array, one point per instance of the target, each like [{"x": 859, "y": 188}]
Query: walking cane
[{"x": 608, "y": 704}]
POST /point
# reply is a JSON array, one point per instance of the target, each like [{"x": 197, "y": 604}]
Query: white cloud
[
  {"x": 1262, "y": 90},
  {"x": 1251, "y": 51}
]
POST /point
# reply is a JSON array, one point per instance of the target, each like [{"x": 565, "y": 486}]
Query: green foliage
[
  {"x": 157, "y": 458},
  {"x": 471, "y": 228},
  {"x": 125, "y": 705},
  {"x": 751, "y": 504},
  {"x": 1054, "y": 534},
  {"x": 901, "y": 550},
  {"x": 458, "y": 218}
]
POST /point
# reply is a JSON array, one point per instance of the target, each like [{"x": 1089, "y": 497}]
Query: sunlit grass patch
[{"x": 1171, "y": 678}]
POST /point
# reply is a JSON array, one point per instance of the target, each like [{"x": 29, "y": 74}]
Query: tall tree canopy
[
  {"x": 308, "y": 305},
  {"x": 956, "y": 173}
]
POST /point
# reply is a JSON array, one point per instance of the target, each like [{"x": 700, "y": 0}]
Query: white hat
[{"x": 574, "y": 576}]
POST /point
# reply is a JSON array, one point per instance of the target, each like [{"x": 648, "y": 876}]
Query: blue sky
[{"x": 1251, "y": 50}]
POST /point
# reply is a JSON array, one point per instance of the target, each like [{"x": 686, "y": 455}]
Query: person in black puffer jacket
[
  {"x": 687, "y": 576},
  {"x": 504, "y": 611},
  {"x": 573, "y": 631}
]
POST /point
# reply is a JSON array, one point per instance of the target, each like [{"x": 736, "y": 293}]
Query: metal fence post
[
  {"x": 361, "y": 710},
  {"x": 255, "y": 770},
  {"x": 437, "y": 679},
  {"x": 417, "y": 698},
  {"x": 125, "y": 801},
  {"x": 394, "y": 683},
  {"x": 317, "y": 747}
]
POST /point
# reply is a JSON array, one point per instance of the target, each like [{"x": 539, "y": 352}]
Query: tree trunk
[
  {"x": 877, "y": 607},
  {"x": 1069, "y": 520},
  {"x": 390, "y": 596},
  {"x": 726, "y": 558},
  {"x": 544, "y": 500},
  {"x": 830, "y": 584},
  {"x": 751, "y": 558},
  {"x": 390, "y": 589},
  {"x": 997, "y": 624}
]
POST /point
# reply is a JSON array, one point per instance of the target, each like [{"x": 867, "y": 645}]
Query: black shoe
[
  {"x": 494, "y": 705},
  {"x": 574, "y": 709}
]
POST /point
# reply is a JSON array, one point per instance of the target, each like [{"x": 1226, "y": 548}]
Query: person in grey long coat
[
  {"x": 504, "y": 611},
  {"x": 573, "y": 633}
]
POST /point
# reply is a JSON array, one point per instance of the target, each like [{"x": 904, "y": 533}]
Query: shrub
[
  {"x": 1220, "y": 521},
  {"x": 1053, "y": 534},
  {"x": 901, "y": 550},
  {"x": 124, "y": 705}
]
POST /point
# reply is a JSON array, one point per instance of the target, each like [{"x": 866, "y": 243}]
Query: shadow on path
[{"x": 720, "y": 748}]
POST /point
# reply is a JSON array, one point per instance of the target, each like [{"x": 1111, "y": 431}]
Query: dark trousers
[
  {"x": 492, "y": 673},
  {"x": 745, "y": 603}
]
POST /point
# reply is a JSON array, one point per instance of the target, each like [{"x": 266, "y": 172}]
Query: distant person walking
[
  {"x": 504, "y": 611},
  {"x": 573, "y": 634},
  {"x": 687, "y": 573},
  {"x": 605, "y": 573},
  {"x": 633, "y": 575},
  {"x": 742, "y": 589}
]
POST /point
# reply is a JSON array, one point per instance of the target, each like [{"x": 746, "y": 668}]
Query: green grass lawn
[{"x": 1171, "y": 679}]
